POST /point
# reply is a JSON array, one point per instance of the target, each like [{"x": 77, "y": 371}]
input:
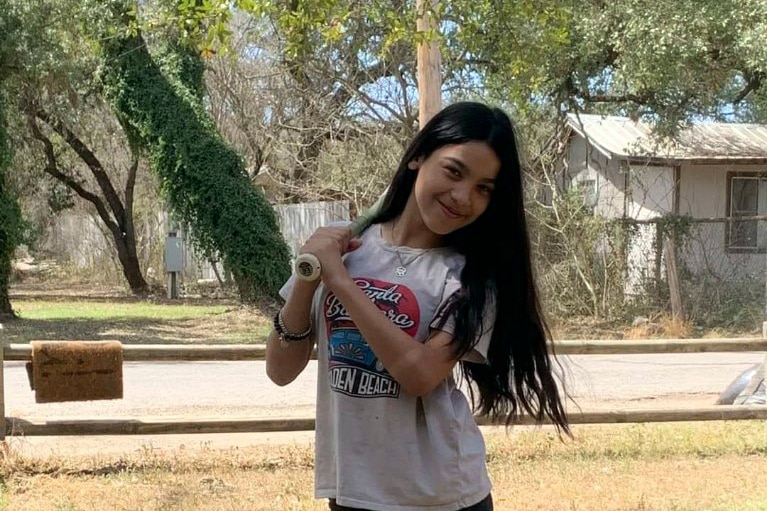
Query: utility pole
[{"x": 429, "y": 61}]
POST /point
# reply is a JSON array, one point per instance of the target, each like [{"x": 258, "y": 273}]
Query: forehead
[{"x": 476, "y": 157}]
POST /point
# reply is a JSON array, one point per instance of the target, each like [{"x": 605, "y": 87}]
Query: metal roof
[{"x": 621, "y": 137}]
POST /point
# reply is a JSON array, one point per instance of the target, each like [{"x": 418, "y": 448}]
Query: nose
[{"x": 461, "y": 195}]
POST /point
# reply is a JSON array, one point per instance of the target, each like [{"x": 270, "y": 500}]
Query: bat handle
[{"x": 308, "y": 267}]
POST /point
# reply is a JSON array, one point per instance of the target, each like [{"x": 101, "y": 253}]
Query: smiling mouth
[{"x": 450, "y": 212}]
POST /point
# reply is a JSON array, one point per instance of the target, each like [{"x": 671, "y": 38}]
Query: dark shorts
[{"x": 485, "y": 505}]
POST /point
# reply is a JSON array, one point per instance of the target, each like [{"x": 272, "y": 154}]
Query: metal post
[
  {"x": 174, "y": 263},
  {"x": 172, "y": 285}
]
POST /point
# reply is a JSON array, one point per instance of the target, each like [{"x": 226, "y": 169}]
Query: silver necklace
[{"x": 401, "y": 269}]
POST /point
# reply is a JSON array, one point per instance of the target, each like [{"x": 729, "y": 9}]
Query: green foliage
[
  {"x": 670, "y": 60},
  {"x": 203, "y": 178},
  {"x": 579, "y": 257},
  {"x": 713, "y": 302},
  {"x": 667, "y": 60},
  {"x": 676, "y": 227},
  {"x": 10, "y": 215},
  {"x": 304, "y": 24}
]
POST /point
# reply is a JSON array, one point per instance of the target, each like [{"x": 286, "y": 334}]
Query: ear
[{"x": 414, "y": 164}]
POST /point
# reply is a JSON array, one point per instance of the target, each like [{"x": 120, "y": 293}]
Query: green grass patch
[
  {"x": 38, "y": 309},
  {"x": 136, "y": 322}
]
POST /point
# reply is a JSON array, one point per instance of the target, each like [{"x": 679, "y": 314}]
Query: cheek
[
  {"x": 481, "y": 203},
  {"x": 428, "y": 186}
]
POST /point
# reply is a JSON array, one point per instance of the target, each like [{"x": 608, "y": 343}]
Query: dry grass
[
  {"x": 675, "y": 467},
  {"x": 661, "y": 326},
  {"x": 665, "y": 327}
]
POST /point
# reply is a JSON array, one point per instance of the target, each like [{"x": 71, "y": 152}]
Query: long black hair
[{"x": 498, "y": 273}]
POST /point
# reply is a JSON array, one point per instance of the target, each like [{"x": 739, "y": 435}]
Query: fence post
[{"x": 672, "y": 276}]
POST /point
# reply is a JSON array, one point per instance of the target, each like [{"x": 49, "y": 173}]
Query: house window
[
  {"x": 588, "y": 190},
  {"x": 748, "y": 197}
]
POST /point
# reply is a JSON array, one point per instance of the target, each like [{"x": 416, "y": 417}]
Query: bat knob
[{"x": 308, "y": 267}]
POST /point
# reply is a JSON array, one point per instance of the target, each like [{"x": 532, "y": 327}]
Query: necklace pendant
[{"x": 400, "y": 271}]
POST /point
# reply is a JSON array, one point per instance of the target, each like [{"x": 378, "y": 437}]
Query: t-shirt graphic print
[{"x": 353, "y": 368}]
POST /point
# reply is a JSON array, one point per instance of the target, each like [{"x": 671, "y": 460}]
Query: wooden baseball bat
[{"x": 308, "y": 267}]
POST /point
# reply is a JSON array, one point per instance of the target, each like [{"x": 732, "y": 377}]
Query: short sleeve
[
  {"x": 478, "y": 353},
  {"x": 287, "y": 287}
]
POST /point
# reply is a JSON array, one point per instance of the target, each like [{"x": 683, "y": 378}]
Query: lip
[{"x": 449, "y": 212}]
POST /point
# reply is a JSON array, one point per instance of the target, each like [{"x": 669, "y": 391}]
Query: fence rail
[
  {"x": 157, "y": 353},
  {"x": 162, "y": 426},
  {"x": 240, "y": 352}
]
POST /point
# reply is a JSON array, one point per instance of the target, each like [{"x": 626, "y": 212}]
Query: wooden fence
[
  {"x": 162, "y": 353},
  {"x": 80, "y": 238}
]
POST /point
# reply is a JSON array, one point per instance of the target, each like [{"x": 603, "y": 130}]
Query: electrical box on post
[{"x": 174, "y": 253}]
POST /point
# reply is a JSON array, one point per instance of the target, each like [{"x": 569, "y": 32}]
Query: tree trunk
[
  {"x": 116, "y": 215},
  {"x": 125, "y": 241},
  {"x": 6, "y": 311}
]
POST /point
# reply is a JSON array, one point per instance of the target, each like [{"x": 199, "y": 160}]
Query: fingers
[
  {"x": 353, "y": 245},
  {"x": 340, "y": 236}
]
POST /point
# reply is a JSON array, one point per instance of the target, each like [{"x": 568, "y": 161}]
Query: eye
[
  {"x": 453, "y": 171},
  {"x": 485, "y": 189}
]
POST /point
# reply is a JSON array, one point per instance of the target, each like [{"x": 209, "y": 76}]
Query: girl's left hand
[{"x": 329, "y": 244}]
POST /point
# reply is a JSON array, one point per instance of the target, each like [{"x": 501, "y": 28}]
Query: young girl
[{"x": 441, "y": 277}]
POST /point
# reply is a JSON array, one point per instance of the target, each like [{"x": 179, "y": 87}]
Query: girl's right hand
[{"x": 328, "y": 245}]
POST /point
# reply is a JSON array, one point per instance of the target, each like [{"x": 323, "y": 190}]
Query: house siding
[
  {"x": 650, "y": 195},
  {"x": 703, "y": 194},
  {"x": 587, "y": 163}
]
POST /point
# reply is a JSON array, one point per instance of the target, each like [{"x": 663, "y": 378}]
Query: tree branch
[
  {"x": 52, "y": 168},
  {"x": 753, "y": 83},
  {"x": 90, "y": 159},
  {"x": 612, "y": 98},
  {"x": 130, "y": 183}
]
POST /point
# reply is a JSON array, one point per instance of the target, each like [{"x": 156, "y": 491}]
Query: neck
[{"x": 409, "y": 230}]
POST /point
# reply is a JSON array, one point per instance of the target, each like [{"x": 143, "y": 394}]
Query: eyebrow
[{"x": 464, "y": 168}]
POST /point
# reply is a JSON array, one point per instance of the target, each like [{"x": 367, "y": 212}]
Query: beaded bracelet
[{"x": 285, "y": 336}]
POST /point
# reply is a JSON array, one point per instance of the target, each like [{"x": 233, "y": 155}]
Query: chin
[{"x": 443, "y": 228}]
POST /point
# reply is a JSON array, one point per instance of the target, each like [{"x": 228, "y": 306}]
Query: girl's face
[{"x": 454, "y": 185}]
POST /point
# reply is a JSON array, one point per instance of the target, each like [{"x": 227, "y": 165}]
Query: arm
[
  {"x": 418, "y": 367},
  {"x": 283, "y": 365}
]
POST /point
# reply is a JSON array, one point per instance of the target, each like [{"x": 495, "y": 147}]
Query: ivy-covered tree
[{"x": 204, "y": 179}]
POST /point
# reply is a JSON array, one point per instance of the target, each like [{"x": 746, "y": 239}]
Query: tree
[
  {"x": 669, "y": 61},
  {"x": 10, "y": 217},
  {"x": 55, "y": 91},
  {"x": 159, "y": 99},
  {"x": 115, "y": 209},
  {"x": 321, "y": 139}
]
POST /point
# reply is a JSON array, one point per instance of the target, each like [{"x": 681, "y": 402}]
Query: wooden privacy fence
[{"x": 197, "y": 353}]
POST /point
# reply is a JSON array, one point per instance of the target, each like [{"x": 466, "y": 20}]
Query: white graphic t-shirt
[{"x": 378, "y": 447}]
